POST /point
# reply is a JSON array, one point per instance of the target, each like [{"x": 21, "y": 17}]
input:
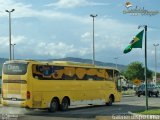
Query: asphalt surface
[{"x": 127, "y": 105}]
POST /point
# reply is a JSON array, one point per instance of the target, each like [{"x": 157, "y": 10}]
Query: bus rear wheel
[
  {"x": 65, "y": 104},
  {"x": 111, "y": 100},
  {"x": 53, "y": 106}
]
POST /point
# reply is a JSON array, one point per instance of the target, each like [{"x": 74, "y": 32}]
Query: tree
[
  {"x": 158, "y": 75},
  {"x": 135, "y": 70}
]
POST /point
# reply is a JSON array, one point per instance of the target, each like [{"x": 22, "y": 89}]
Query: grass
[{"x": 150, "y": 112}]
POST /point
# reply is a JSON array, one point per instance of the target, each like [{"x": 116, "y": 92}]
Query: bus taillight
[
  {"x": 28, "y": 95},
  {"x": 2, "y": 92}
]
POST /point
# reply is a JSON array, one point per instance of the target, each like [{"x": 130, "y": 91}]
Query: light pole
[
  {"x": 13, "y": 51},
  {"x": 116, "y": 59},
  {"x": 155, "y": 45},
  {"x": 93, "y": 16},
  {"x": 9, "y": 12},
  {"x": 145, "y": 70}
]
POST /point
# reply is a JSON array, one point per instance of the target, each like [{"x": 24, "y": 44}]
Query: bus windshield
[{"x": 15, "y": 68}]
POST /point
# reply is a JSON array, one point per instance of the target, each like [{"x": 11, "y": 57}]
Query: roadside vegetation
[
  {"x": 135, "y": 70},
  {"x": 150, "y": 112}
]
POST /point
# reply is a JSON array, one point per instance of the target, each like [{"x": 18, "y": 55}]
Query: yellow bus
[{"x": 57, "y": 85}]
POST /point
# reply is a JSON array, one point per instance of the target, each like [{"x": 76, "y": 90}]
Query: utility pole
[
  {"x": 9, "y": 12},
  {"x": 93, "y": 62},
  {"x": 155, "y": 45}
]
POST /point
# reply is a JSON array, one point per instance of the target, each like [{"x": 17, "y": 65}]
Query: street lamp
[
  {"x": 93, "y": 16},
  {"x": 155, "y": 45},
  {"x": 13, "y": 50},
  {"x": 116, "y": 59},
  {"x": 9, "y": 12}
]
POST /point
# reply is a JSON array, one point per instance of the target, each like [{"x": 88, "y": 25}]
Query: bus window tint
[
  {"x": 90, "y": 74},
  {"x": 69, "y": 73},
  {"x": 100, "y": 75},
  {"x": 81, "y": 74},
  {"x": 47, "y": 72}
]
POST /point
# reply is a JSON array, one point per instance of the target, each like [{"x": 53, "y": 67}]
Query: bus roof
[{"x": 62, "y": 63}]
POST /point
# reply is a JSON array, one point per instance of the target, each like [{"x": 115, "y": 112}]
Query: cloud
[
  {"x": 4, "y": 40},
  {"x": 20, "y": 8},
  {"x": 30, "y": 48},
  {"x": 23, "y": 10},
  {"x": 86, "y": 37},
  {"x": 4, "y": 43},
  {"x": 19, "y": 39},
  {"x": 54, "y": 49},
  {"x": 59, "y": 49},
  {"x": 85, "y": 51},
  {"x": 108, "y": 32},
  {"x": 58, "y": 34},
  {"x": 26, "y": 10},
  {"x": 74, "y": 3}
]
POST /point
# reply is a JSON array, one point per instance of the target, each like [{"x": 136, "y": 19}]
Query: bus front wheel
[
  {"x": 53, "y": 106},
  {"x": 65, "y": 104}
]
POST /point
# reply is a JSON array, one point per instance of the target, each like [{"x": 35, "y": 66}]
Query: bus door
[{"x": 118, "y": 85}]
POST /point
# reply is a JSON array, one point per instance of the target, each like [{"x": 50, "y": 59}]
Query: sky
[{"x": 51, "y": 29}]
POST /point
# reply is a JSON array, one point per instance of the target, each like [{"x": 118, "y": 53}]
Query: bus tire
[
  {"x": 53, "y": 106},
  {"x": 157, "y": 94},
  {"x": 64, "y": 104},
  {"x": 111, "y": 100},
  {"x": 149, "y": 94},
  {"x": 139, "y": 95}
]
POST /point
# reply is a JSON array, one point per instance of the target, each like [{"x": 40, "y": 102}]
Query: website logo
[
  {"x": 128, "y": 4},
  {"x": 138, "y": 10}
]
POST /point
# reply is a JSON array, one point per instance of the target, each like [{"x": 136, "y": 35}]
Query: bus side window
[
  {"x": 81, "y": 73},
  {"x": 100, "y": 74},
  {"x": 58, "y": 73},
  {"x": 109, "y": 74},
  {"x": 69, "y": 73},
  {"x": 47, "y": 71},
  {"x": 36, "y": 72},
  {"x": 91, "y": 74}
]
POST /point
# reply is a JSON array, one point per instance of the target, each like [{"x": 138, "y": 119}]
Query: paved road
[{"x": 86, "y": 112}]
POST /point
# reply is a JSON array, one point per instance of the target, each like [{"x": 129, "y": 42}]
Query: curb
[
  {"x": 128, "y": 95},
  {"x": 131, "y": 113}
]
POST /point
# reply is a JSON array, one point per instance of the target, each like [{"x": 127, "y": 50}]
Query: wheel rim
[
  {"x": 54, "y": 106},
  {"x": 65, "y": 104},
  {"x": 110, "y": 100}
]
